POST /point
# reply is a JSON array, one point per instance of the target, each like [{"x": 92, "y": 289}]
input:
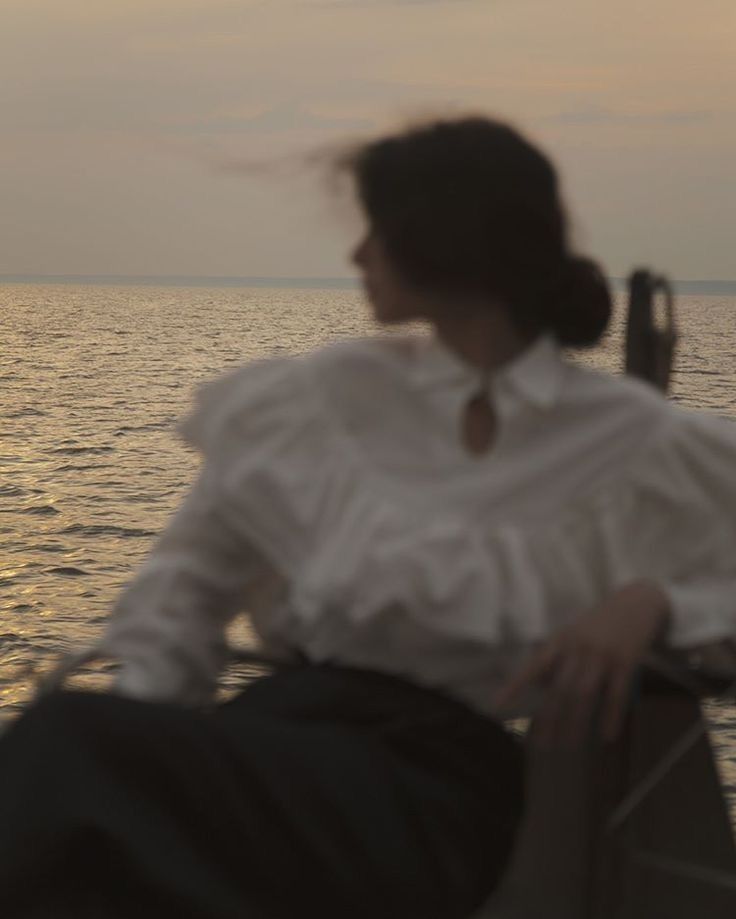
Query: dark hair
[{"x": 469, "y": 205}]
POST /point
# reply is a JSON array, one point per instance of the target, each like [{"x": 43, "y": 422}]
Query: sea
[{"x": 95, "y": 376}]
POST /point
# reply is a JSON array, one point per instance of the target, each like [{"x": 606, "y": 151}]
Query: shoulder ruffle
[
  {"x": 280, "y": 463},
  {"x": 668, "y": 516}
]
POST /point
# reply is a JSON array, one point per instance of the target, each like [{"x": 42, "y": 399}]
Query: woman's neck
[{"x": 487, "y": 338}]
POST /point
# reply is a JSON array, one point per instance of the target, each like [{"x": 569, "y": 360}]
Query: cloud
[
  {"x": 600, "y": 115},
  {"x": 125, "y": 114},
  {"x": 372, "y": 3},
  {"x": 386, "y": 3},
  {"x": 288, "y": 116}
]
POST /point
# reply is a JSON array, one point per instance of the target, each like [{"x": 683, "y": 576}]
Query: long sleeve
[
  {"x": 693, "y": 504},
  {"x": 702, "y": 610},
  {"x": 167, "y": 627}
]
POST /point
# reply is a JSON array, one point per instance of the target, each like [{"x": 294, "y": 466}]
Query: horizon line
[{"x": 181, "y": 280}]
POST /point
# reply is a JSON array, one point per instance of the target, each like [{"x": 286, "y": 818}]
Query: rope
[
  {"x": 713, "y": 876},
  {"x": 664, "y": 766}
]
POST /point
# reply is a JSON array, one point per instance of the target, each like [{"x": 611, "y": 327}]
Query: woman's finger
[
  {"x": 535, "y": 670},
  {"x": 559, "y": 695},
  {"x": 591, "y": 679},
  {"x": 618, "y": 692}
]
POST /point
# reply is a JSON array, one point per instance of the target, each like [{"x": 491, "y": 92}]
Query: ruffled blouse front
[{"x": 337, "y": 507}]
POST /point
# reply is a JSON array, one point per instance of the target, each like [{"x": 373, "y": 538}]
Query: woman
[{"x": 430, "y": 533}]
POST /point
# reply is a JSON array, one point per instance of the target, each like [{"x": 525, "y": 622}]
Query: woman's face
[{"x": 391, "y": 298}]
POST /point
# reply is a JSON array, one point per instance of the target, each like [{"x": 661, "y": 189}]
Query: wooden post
[{"x": 650, "y": 346}]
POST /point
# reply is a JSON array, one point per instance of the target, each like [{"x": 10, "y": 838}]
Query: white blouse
[{"x": 337, "y": 505}]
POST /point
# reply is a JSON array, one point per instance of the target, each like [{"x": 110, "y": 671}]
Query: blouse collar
[{"x": 535, "y": 376}]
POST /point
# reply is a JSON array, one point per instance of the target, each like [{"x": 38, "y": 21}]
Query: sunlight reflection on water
[{"x": 94, "y": 380}]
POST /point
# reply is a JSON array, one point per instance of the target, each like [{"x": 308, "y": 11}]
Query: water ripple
[
  {"x": 73, "y": 451},
  {"x": 11, "y": 491},
  {"x": 26, "y": 413},
  {"x": 99, "y": 529},
  {"x": 68, "y": 571}
]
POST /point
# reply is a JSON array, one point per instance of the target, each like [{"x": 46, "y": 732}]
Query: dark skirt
[{"x": 318, "y": 790}]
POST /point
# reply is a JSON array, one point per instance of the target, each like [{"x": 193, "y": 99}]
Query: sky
[{"x": 174, "y": 137}]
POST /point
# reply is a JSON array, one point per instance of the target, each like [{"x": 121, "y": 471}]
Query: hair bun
[{"x": 580, "y": 304}]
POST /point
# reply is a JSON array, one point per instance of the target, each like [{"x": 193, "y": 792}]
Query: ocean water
[{"x": 92, "y": 382}]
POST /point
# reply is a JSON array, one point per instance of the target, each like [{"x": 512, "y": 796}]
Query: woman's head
[{"x": 468, "y": 208}]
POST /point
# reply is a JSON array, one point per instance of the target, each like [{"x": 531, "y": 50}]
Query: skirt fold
[{"x": 319, "y": 790}]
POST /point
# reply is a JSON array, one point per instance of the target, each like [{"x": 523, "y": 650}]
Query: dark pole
[{"x": 650, "y": 347}]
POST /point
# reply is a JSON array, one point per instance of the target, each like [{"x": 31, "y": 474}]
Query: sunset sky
[{"x": 135, "y": 131}]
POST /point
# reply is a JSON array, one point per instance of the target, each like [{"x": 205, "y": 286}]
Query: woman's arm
[
  {"x": 592, "y": 661},
  {"x": 167, "y": 628}
]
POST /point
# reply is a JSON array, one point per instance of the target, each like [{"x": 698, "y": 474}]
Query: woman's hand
[{"x": 593, "y": 660}]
